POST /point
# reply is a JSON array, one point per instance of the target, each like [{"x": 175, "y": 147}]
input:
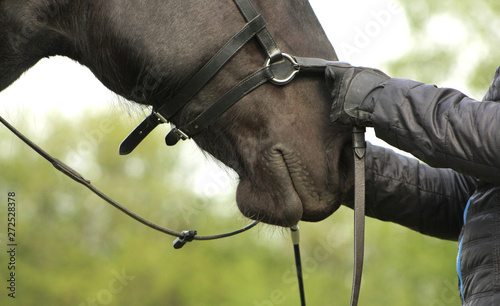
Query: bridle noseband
[{"x": 279, "y": 69}]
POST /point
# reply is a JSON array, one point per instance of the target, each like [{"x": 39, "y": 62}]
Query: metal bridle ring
[{"x": 285, "y": 73}]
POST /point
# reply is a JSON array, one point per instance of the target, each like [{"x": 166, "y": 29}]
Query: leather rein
[{"x": 279, "y": 69}]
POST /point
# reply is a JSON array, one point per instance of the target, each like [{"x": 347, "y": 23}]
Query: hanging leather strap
[{"x": 359, "y": 146}]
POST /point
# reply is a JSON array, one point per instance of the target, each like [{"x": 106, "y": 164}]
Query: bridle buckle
[
  {"x": 159, "y": 117},
  {"x": 174, "y": 136}
]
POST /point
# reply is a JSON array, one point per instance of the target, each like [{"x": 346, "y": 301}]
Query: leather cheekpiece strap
[{"x": 249, "y": 12}]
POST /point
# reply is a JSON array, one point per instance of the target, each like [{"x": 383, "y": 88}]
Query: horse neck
[{"x": 32, "y": 30}]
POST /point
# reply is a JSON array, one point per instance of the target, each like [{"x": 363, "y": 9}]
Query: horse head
[{"x": 292, "y": 163}]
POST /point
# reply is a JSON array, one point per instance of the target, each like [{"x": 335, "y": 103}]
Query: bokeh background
[{"x": 74, "y": 249}]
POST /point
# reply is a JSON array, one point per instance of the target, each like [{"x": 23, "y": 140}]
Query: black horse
[{"x": 292, "y": 163}]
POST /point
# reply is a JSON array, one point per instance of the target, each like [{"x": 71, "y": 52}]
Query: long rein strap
[
  {"x": 182, "y": 237},
  {"x": 359, "y": 148}
]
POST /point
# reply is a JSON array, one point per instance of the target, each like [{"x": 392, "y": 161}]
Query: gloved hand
[{"x": 354, "y": 91}]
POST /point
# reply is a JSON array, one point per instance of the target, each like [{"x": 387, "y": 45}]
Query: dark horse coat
[{"x": 455, "y": 195}]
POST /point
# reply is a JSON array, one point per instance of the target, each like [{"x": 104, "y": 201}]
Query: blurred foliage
[
  {"x": 451, "y": 39},
  {"x": 74, "y": 249}
]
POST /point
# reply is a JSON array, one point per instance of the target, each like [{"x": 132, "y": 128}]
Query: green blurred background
[{"x": 74, "y": 249}]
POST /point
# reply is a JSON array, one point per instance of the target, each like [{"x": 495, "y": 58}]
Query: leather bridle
[{"x": 279, "y": 69}]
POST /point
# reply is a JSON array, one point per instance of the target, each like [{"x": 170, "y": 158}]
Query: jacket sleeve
[
  {"x": 440, "y": 126},
  {"x": 408, "y": 192}
]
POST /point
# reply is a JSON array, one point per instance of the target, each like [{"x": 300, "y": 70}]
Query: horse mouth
[{"x": 283, "y": 191}]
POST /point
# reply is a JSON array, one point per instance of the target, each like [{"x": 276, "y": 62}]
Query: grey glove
[{"x": 354, "y": 91}]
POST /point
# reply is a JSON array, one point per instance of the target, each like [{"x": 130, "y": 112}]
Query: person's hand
[{"x": 354, "y": 91}]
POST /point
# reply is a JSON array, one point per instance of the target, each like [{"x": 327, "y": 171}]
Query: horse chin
[{"x": 282, "y": 191}]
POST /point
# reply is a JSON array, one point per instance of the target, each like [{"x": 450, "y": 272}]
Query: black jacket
[{"x": 458, "y": 139}]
